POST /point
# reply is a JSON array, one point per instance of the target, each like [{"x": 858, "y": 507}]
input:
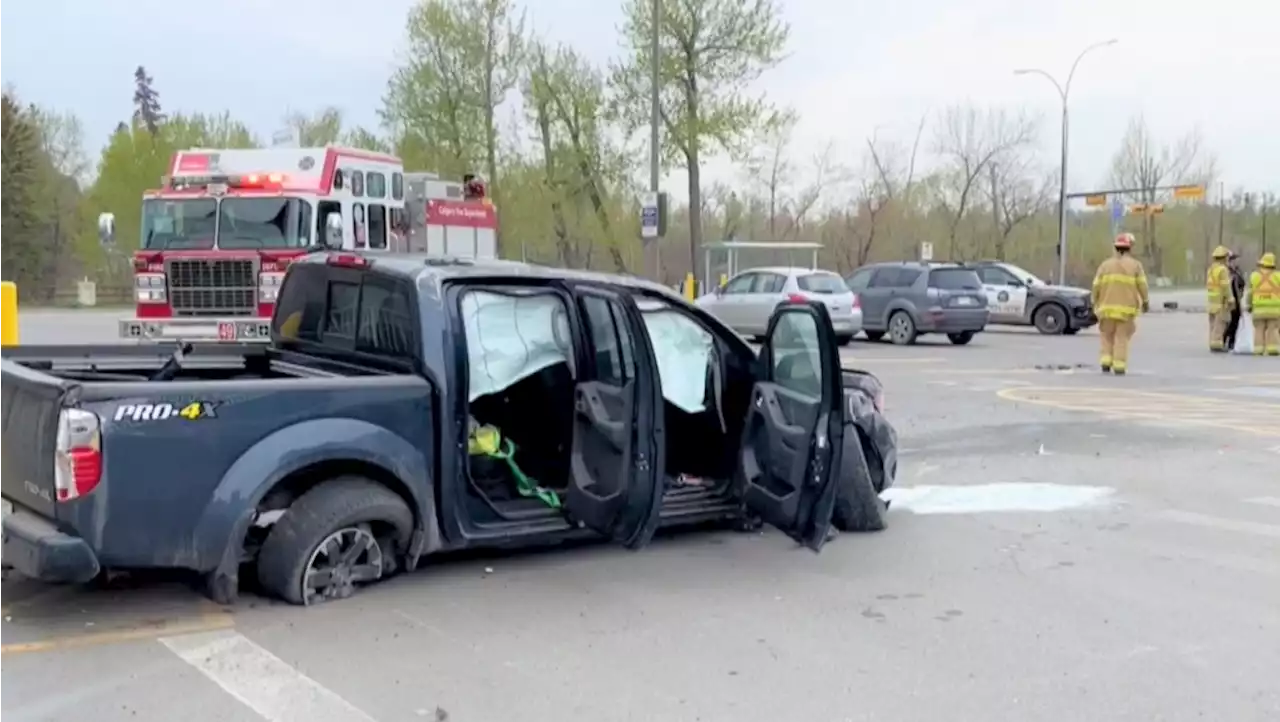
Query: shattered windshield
[{"x": 178, "y": 224}]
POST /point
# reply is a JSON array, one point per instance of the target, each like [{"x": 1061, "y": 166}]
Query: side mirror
[
  {"x": 107, "y": 229},
  {"x": 333, "y": 231}
]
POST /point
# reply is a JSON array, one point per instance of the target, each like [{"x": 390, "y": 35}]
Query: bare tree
[
  {"x": 1144, "y": 165},
  {"x": 1019, "y": 191},
  {"x": 969, "y": 139},
  {"x": 769, "y": 166},
  {"x": 893, "y": 188}
]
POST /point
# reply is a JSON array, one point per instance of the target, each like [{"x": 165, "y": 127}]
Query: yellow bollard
[
  {"x": 8, "y": 313},
  {"x": 724, "y": 280},
  {"x": 690, "y": 292}
]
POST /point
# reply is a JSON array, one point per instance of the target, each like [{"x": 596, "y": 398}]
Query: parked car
[
  {"x": 747, "y": 300},
  {"x": 406, "y": 406},
  {"x": 1017, "y": 297},
  {"x": 907, "y": 299}
]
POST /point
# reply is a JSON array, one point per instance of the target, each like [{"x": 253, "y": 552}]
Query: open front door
[
  {"x": 791, "y": 442},
  {"x": 616, "y": 481}
]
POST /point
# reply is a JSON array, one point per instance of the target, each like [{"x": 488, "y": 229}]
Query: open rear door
[
  {"x": 791, "y": 442},
  {"x": 616, "y": 482}
]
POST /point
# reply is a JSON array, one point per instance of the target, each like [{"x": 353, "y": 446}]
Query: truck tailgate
[{"x": 29, "y": 423}]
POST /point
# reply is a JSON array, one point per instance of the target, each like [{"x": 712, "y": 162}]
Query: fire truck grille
[{"x": 213, "y": 287}]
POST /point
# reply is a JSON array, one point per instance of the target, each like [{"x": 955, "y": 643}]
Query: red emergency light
[{"x": 259, "y": 180}]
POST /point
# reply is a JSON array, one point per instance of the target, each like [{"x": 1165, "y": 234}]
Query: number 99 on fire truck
[{"x": 219, "y": 233}]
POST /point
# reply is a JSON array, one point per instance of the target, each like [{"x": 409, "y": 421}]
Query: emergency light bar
[{"x": 220, "y": 183}]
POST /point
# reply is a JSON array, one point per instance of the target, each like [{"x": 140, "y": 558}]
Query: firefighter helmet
[
  {"x": 1124, "y": 240},
  {"x": 1268, "y": 260},
  {"x": 1220, "y": 253}
]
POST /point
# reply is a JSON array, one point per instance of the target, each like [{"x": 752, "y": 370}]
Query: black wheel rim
[
  {"x": 346, "y": 558},
  {"x": 1053, "y": 320}
]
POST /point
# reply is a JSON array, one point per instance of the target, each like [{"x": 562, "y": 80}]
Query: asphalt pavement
[{"x": 1062, "y": 546}]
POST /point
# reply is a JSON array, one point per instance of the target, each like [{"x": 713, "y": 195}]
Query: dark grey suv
[{"x": 905, "y": 299}]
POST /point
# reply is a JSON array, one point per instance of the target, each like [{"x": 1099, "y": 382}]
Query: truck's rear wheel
[{"x": 342, "y": 534}]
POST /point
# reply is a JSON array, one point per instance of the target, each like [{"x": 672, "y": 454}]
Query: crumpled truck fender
[{"x": 221, "y": 531}]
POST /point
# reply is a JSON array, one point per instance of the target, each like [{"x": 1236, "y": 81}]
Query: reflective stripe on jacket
[
  {"x": 1218, "y": 285},
  {"x": 1119, "y": 288},
  {"x": 1264, "y": 294}
]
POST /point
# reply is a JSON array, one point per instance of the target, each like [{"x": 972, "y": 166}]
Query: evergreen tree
[{"x": 146, "y": 102}]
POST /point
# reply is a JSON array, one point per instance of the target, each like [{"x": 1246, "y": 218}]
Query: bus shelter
[{"x": 725, "y": 259}]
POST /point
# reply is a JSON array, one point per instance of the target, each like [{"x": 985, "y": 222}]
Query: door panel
[
  {"x": 614, "y": 486},
  {"x": 793, "y": 432},
  {"x": 602, "y": 448}
]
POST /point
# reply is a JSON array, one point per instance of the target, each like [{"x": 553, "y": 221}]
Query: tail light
[
  {"x": 857, "y": 302},
  {"x": 796, "y": 298},
  {"x": 347, "y": 260},
  {"x": 878, "y": 401},
  {"x": 150, "y": 288},
  {"x": 269, "y": 286},
  {"x": 77, "y": 466}
]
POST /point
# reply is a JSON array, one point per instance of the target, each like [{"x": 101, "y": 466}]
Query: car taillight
[
  {"x": 77, "y": 467},
  {"x": 347, "y": 260},
  {"x": 879, "y": 402},
  {"x": 796, "y": 298},
  {"x": 857, "y": 302},
  {"x": 269, "y": 286},
  {"x": 150, "y": 288}
]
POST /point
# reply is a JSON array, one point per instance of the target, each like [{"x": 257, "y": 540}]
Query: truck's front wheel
[{"x": 338, "y": 536}]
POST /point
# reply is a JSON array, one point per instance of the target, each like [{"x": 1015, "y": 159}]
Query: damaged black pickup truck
[{"x": 407, "y": 406}]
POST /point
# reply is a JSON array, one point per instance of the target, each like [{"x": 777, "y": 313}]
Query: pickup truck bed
[{"x": 177, "y": 466}]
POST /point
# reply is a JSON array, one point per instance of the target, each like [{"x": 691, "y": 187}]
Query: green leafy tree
[
  {"x": 462, "y": 60},
  {"x": 320, "y": 128},
  {"x": 365, "y": 139},
  {"x": 710, "y": 54},
  {"x": 565, "y": 99},
  {"x": 22, "y": 182}
]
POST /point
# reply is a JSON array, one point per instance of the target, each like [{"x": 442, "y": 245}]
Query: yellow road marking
[
  {"x": 206, "y": 622},
  {"x": 1262, "y": 419}
]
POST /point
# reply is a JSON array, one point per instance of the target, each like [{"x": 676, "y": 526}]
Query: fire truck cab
[{"x": 218, "y": 235}]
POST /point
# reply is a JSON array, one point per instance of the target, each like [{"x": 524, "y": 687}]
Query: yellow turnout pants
[
  {"x": 1116, "y": 334},
  {"x": 1218, "y": 329},
  {"x": 1266, "y": 336}
]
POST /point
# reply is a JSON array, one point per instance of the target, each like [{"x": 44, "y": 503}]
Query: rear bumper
[
  {"x": 240, "y": 329},
  {"x": 955, "y": 321},
  {"x": 39, "y": 550},
  {"x": 847, "y": 325}
]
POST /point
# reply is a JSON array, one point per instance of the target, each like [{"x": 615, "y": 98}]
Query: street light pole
[
  {"x": 1064, "y": 92},
  {"x": 655, "y": 118},
  {"x": 655, "y": 98}
]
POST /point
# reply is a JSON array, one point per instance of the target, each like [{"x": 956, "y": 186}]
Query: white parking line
[
  {"x": 1264, "y": 500},
  {"x": 261, "y": 680},
  {"x": 1216, "y": 522}
]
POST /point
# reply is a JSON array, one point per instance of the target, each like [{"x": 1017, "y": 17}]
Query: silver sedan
[{"x": 747, "y": 300}]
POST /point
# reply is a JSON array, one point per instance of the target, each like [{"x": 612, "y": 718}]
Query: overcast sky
[{"x": 855, "y": 68}]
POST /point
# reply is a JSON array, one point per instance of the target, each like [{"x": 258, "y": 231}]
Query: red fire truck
[{"x": 224, "y": 225}]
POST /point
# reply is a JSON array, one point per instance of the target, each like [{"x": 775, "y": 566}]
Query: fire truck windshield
[
  {"x": 241, "y": 223},
  {"x": 178, "y": 224},
  {"x": 264, "y": 223}
]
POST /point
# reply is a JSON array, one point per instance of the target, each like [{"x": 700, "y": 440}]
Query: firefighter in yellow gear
[
  {"x": 1221, "y": 302},
  {"x": 1119, "y": 295},
  {"x": 1262, "y": 301}
]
